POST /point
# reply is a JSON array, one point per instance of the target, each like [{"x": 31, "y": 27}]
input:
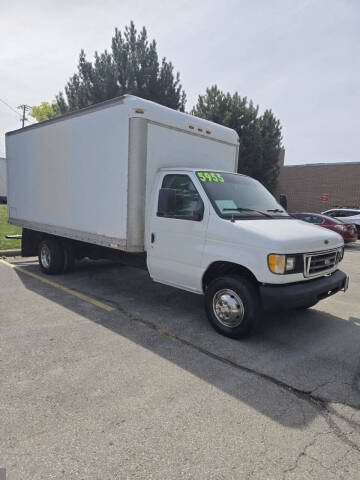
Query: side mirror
[
  {"x": 199, "y": 211},
  {"x": 167, "y": 201},
  {"x": 283, "y": 201}
]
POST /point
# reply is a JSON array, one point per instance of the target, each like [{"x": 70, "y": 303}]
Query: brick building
[{"x": 318, "y": 187}]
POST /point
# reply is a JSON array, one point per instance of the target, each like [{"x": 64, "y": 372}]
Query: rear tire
[
  {"x": 232, "y": 305},
  {"x": 51, "y": 256}
]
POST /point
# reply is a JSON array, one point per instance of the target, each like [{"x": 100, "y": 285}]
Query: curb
[{"x": 10, "y": 253}]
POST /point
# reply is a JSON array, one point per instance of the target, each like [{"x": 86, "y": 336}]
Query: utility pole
[{"x": 24, "y": 109}]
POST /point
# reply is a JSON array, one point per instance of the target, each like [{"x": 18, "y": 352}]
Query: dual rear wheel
[{"x": 55, "y": 256}]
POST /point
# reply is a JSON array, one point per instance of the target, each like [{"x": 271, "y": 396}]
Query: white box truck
[
  {"x": 3, "y": 189},
  {"x": 134, "y": 180}
]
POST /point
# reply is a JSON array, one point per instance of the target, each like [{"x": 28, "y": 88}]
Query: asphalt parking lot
[{"x": 107, "y": 375}]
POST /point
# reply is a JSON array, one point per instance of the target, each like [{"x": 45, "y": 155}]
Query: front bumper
[
  {"x": 350, "y": 238},
  {"x": 281, "y": 297}
]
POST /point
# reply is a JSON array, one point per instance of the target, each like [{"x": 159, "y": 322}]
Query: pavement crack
[
  {"x": 304, "y": 453},
  {"x": 306, "y": 395}
]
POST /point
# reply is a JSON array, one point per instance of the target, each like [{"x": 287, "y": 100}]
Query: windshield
[{"x": 234, "y": 195}]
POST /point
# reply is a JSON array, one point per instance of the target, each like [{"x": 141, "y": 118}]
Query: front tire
[
  {"x": 51, "y": 256},
  {"x": 233, "y": 306}
]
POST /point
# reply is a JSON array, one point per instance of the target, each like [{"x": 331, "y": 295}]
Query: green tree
[
  {"x": 45, "y": 111},
  {"x": 131, "y": 67},
  {"x": 260, "y": 136},
  {"x": 271, "y": 144}
]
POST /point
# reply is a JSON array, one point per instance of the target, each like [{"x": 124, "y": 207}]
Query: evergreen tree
[
  {"x": 260, "y": 136},
  {"x": 271, "y": 143},
  {"x": 131, "y": 67}
]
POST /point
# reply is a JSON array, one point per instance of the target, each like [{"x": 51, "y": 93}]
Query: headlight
[
  {"x": 281, "y": 264},
  {"x": 340, "y": 255},
  {"x": 290, "y": 264},
  {"x": 341, "y": 227}
]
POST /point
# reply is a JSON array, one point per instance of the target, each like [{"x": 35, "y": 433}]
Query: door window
[
  {"x": 350, "y": 213},
  {"x": 188, "y": 204},
  {"x": 341, "y": 213}
]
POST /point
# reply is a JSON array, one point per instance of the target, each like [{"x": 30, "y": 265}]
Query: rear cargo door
[{"x": 176, "y": 242}]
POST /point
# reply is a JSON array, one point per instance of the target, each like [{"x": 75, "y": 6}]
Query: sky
[{"x": 300, "y": 58}]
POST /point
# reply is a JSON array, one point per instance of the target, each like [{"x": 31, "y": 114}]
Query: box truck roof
[
  {"x": 196, "y": 169},
  {"x": 164, "y": 115},
  {"x": 138, "y": 107}
]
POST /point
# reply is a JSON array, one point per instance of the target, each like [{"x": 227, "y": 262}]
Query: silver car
[{"x": 346, "y": 215}]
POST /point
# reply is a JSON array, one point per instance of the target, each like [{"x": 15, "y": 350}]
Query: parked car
[
  {"x": 346, "y": 230},
  {"x": 352, "y": 215}
]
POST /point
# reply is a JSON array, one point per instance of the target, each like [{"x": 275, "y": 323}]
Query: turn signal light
[{"x": 276, "y": 263}]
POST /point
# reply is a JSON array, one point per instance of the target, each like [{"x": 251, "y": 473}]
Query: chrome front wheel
[
  {"x": 228, "y": 308},
  {"x": 233, "y": 305}
]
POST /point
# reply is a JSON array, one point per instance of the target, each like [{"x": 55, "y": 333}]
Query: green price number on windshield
[{"x": 210, "y": 177}]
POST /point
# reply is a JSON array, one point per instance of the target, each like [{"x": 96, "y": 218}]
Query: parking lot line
[{"x": 70, "y": 291}]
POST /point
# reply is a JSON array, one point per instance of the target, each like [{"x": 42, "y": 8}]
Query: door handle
[{"x": 152, "y": 237}]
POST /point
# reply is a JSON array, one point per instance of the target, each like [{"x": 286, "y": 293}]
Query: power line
[
  {"x": 22, "y": 117},
  {"x": 11, "y": 108}
]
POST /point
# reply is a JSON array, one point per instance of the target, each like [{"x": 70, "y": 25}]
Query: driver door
[{"x": 176, "y": 239}]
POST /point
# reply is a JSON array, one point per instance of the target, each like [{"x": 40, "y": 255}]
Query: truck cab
[{"x": 224, "y": 235}]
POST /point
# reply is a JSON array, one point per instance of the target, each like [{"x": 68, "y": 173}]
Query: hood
[{"x": 289, "y": 235}]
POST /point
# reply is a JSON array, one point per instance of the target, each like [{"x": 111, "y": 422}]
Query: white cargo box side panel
[
  {"x": 72, "y": 174},
  {"x": 170, "y": 147}
]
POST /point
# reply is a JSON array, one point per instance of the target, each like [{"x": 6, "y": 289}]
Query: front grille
[{"x": 316, "y": 263}]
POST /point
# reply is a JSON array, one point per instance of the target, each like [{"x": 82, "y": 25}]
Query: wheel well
[
  {"x": 30, "y": 242},
  {"x": 219, "y": 269}
]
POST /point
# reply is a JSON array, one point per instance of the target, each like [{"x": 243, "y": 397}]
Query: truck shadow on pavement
[{"x": 310, "y": 355}]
